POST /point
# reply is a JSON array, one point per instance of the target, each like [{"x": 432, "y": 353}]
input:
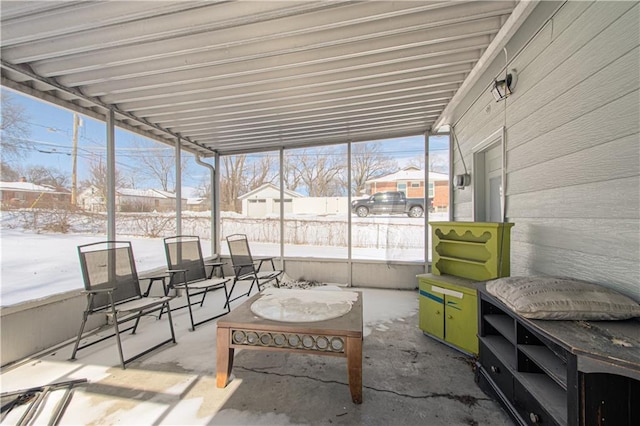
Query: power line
[{"x": 288, "y": 153}]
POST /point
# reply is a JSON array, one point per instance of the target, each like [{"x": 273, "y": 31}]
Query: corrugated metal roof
[{"x": 250, "y": 75}]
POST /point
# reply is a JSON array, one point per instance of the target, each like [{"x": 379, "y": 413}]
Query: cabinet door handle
[
  {"x": 449, "y": 317},
  {"x": 534, "y": 418},
  {"x": 437, "y": 312},
  {"x": 495, "y": 369}
]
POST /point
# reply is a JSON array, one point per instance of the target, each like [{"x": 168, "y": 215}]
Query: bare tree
[
  {"x": 260, "y": 170},
  {"x": 231, "y": 182},
  {"x": 291, "y": 176},
  {"x": 158, "y": 163},
  {"x": 14, "y": 130},
  {"x": 41, "y": 175},
  {"x": 8, "y": 173},
  {"x": 129, "y": 181},
  {"x": 368, "y": 161},
  {"x": 319, "y": 170},
  {"x": 241, "y": 174},
  {"x": 417, "y": 162},
  {"x": 438, "y": 162},
  {"x": 98, "y": 179},
  {"x": 203, "y": 189}
]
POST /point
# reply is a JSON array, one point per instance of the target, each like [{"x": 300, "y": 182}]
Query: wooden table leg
[
  {"x": 224, "y": 357},
  {"x": 354, "y": 367}
]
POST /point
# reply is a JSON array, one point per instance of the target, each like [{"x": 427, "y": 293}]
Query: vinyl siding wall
[{"x": 572, "y": 142}]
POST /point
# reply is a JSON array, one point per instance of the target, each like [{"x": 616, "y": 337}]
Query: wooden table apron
[{"x": 340, "y": 337}]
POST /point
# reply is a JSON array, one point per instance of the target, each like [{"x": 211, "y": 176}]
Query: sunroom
[{"x": 530, "y": 108}]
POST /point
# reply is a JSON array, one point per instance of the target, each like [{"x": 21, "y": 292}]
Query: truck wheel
[
  {"x": 362, "y": 211},
  {"x": 415, "y": 211}
]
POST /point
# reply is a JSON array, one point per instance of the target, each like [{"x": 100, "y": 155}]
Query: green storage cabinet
[
  {"x": 449, "y": 310},
  {"x": 475, "y": 250}
]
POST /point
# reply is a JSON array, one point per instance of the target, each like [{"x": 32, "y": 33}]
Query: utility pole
[{"x": 74, "y": 155}]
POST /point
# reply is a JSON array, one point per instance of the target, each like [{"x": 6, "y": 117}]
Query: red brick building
[
  {"x": 411, "y": 181},
  {"x": 26, "y": 194}
]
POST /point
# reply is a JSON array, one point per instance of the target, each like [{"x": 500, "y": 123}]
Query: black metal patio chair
[
  {"x": 246, "y": 268},
  {"x": 188, "y": 272},
  {"x": 112, "y": 287}
]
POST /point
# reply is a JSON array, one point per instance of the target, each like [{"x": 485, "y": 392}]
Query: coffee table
[{"x": 341, "y": 337}]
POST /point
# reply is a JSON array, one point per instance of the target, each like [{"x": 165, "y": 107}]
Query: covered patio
[{"x": 540, "y": 99}]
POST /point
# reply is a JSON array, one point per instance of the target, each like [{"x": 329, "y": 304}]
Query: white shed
[{"x": 265, "y": 201}]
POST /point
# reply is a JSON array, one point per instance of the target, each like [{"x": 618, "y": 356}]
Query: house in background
[
  {"x": 410, "y": 180},
  {"x": 146, "y": 200},
  {"x": 90, "y": 199},
  {"x": 130, "y": 200},
  {"x": 26, "y": 194},
  {"x": 198, "y": 204},
  {"x": 265, "y": 200}
]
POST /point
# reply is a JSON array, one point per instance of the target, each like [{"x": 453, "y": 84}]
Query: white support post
[
  {"x": 427, "y": 235},
  {"x": 111, "y": 176},
  {"x": 282, "y": 208},
  {"x": 215, "y": 205},
  {"x": 349, "y": 218},
  {"x": 178, "y": 187}
]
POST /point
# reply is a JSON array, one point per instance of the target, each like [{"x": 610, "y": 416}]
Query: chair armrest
[
  {"x": 213, "y": 264},
  {"x": 157, "y": 276},
  {"x": 240, "y": 265},
  {"x": 261, "y": 260},
  {"x": 99, "y": 290},
  {"x": 175, "y": 271}
]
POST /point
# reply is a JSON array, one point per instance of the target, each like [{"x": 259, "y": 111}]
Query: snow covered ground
[{"x": 37, "y": 264}]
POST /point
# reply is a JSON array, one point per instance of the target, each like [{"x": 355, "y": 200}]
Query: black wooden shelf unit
[{"x": 559, "y": 372}]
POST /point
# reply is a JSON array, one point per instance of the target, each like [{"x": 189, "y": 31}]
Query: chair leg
[
  {"x": 85, "y": 316},
  {"x": 117, "y": 331},
  {"x": 186, "y": 289},
  {"x": 135, "y": 326},
  {"x": 226, "y": 295},
  {"x": 229, "y": 299},
  {"x": 254, "y": 281},
  {"x": 166, "y": 293},
  {"x": 116, "y": 328},
  {"x": 168, "y": 308},
  {"x": 204, "y": 294}
]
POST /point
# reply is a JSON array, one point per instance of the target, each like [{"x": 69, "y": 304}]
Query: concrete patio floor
[{"x": 408, "y": 378}]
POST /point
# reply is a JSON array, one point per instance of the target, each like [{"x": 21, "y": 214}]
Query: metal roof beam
[
  {"x": 257, "y": 29},
  {"x": 78, "y": 95}
]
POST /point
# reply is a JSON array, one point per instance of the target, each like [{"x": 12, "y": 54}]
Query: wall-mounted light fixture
[
  {"x": 462, "y": 180},
  {"x": 501, "y": 89}
]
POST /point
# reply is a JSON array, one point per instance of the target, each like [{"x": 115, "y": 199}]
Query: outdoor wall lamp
[
  {"x": 501, "y": 89},
  {"x": 462, "y": 180}
]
